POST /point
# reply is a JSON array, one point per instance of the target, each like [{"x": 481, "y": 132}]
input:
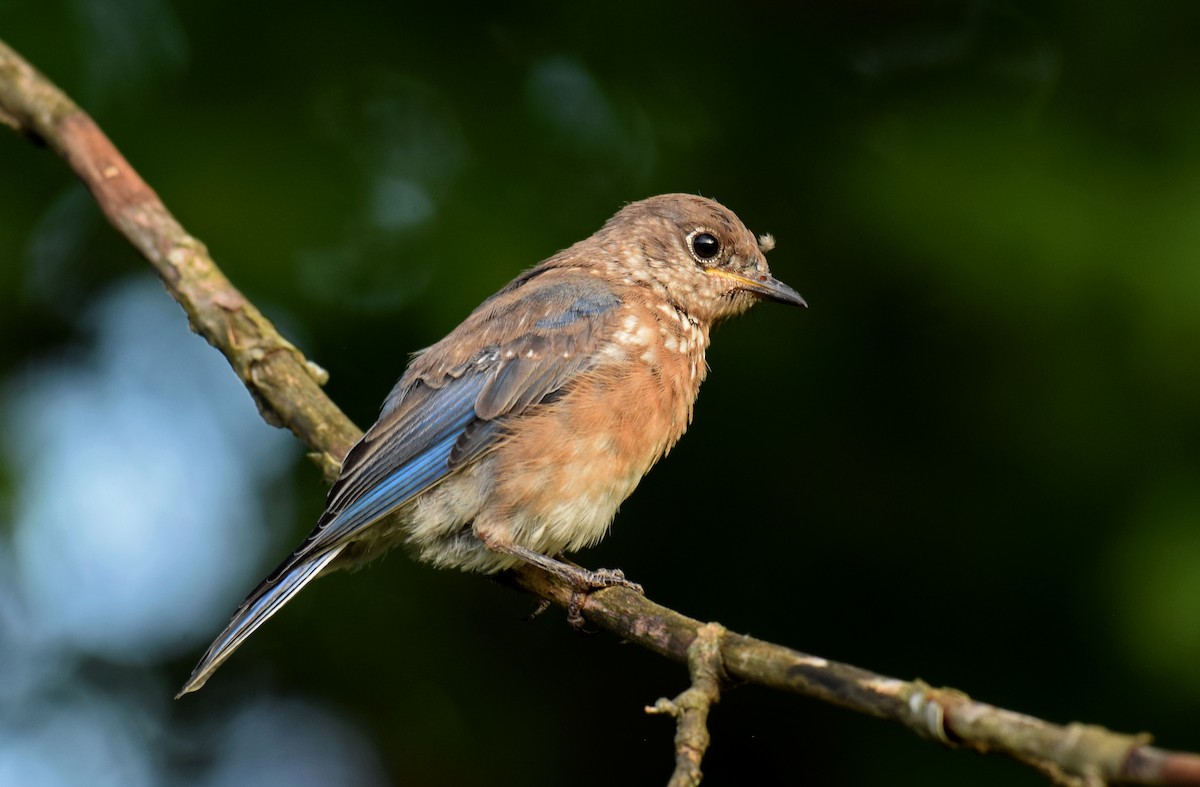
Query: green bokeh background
[{"x": 975, "y": 459}]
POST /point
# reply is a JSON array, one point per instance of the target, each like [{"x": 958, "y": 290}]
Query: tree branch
[{"x": 286, "y": 387}]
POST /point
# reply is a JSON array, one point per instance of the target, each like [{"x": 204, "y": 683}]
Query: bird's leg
[{"x": 582, "y": 579}]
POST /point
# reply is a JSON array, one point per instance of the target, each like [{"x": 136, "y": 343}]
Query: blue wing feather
[
  {"x": 264, "y": 602},
  {"x": 425, "y": 441},
  {"x": 396, "y": 489},
  {"x": 405, "y": 453}
]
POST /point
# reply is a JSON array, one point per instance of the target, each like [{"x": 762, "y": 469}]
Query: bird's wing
[
  {"x": 519, "y": 348},
  {"x": 453, "y": 403}
]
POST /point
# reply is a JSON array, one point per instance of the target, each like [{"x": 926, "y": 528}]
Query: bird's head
[{"x": 710, "y": 265}]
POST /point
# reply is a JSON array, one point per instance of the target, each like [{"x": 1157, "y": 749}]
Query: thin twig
[
  {"x": 691, "y": 707},
  {"x": 286, "y": 387}
]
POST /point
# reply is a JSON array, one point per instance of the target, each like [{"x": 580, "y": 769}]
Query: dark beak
[
  {"x": 767, "y": 287},
  {"x": 773, "y": 289}
]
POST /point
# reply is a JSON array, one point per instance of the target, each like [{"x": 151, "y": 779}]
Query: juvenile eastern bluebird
[{"x": 516, "y": 437}]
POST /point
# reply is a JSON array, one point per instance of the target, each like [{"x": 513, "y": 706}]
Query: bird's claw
[
  {"x": 609, "y": 577},
  {"x": 586, "y": 582},
  {"x": 575, "y": 611},
  {"x": 542, "y": 606}
]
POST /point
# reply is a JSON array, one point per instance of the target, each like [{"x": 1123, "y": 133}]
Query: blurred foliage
[{"x": 975, "y": 459}]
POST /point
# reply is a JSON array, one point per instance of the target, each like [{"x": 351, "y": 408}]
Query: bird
[{"x": 515, "y": 438}]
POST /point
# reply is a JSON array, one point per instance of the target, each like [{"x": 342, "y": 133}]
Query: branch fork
[{"x": 691, "y": 707}]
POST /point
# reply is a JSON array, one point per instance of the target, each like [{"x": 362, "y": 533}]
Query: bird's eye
[{"x": 705, "y": 246}]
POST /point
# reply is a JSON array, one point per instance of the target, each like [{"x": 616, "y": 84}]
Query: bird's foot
[
  {"x": 582, "y": 579},
  {"x": 607, "y": 578},
  {"x": 575, "y": 612},
  {"x": 585, "y": 581}
]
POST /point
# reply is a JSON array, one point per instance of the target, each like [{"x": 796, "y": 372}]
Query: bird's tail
[{"x": 264, "y": 602}]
